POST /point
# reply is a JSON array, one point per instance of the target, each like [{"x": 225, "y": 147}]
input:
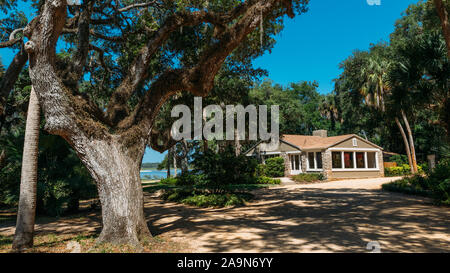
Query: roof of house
[{"x": 317, "y": 142}]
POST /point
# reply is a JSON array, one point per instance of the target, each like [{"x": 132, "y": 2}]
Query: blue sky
[{"x": 312, "y": 45}]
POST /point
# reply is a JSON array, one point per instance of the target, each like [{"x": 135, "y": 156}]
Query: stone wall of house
[
  {"x": 327, "y": 164},
  {"x": 287, "y": 164},
  {"x": 380, "y": 163},
  {"x": 304, "y": 161}
]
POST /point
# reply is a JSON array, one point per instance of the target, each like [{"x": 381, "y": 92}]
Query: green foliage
[
  {"x": 399, "y": 159},
  {"x": 308, "y": 177},
  {"x": 62, "y": 179},
  {"x": 224, "y": 168},
  {"x": 435, "y": 185},
  {"x": 411, "y": 185},
  {"x": 274, "y": 167},
  {"x": 190, "y": 179},
  {"x": 299, "y": 104},
  {"x": 202, "y": 198},
  {"x": 169, "y": 181},
  {"x": 267, "y": 180},
  {"x": 439, "y": 182},
  {"x": 401, "y": 170}
]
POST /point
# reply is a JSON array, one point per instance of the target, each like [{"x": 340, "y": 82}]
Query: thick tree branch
[
  {"x": 138, "y": 5},
  {"x": 10, "y": 77},
  {"x": 117, "y": 107},
  {"x": 199, "y": 79},
  {"x": 161, "y": 141},
  {"x": 12, "y": 39},
  {"x": 83, "y": 40}
]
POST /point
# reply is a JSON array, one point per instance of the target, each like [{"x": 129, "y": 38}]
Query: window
[
  {"x": 311, "y": 160},
  {"x": 319, "y": 160},
  {"x": 360, "y": 161},
  {"x": 295, "y": 162},
  {"x": 355, "y": 143},
  {"x": 336, "y": 160},
  {"x": 371, "y": 160},
  {"x": 348, "y": 160}
]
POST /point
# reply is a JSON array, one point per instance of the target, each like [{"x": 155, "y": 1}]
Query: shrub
[
  {"x": 267, "y": 180},
  {"x": 439, "y": 182},
  {"x": 260, "y": 170},
  {"x": 274, "y": 167},
  {"x": 401, "y": 170},
  {"x": 411, "y": 185},
  {"x": 202, "y": 198},
  {"x": 169, "y": 181},
  {"x": 399, "y": 159},
  {"x": 308, "y": 177},
  {"x": 190, "y": 179},
  {"x": 224, "y": 168},
  {"x": 436, "y": 185}
]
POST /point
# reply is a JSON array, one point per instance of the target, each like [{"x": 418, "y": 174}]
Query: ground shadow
[{"x": 310, "y": 219}]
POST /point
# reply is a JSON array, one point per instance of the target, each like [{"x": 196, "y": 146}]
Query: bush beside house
[
  {"x": 273, "y": 167},
  {"x": 308, "y": 177},
  {"x": 435, "y": 184},
  {"x": 217, "y": 180}
]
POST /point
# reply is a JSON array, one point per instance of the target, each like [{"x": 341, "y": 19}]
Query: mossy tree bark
[{"x": 111, "y": 142}]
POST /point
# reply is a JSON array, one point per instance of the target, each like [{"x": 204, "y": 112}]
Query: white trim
[
  {"x": 292, "y": 163},
  {"x": 270, "y": 153},
  {"x": 297, "y": 152},
  {"x": 355, "y": 169},
  {"x": 354, "y": 149}
]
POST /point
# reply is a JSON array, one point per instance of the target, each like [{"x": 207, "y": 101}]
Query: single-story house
[{"x": 345, "y": 156}]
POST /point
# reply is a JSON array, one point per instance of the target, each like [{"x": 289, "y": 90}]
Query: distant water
[{"x": 156, "y": 174}]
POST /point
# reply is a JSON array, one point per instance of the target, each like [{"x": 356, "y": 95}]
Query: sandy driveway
[{"x": 340, "y": 216}]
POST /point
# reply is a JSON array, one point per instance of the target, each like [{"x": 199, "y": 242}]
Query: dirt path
[{"x": 339, "y": 216}]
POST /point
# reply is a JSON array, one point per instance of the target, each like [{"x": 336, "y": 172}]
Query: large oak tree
[{"x": 110, "y": 137}]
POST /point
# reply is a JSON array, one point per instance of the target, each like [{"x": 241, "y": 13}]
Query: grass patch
[
  {"x": 308, "y": 177},
  {"x": 53, "y": 243},
  {"x": 203, "y": 198}
]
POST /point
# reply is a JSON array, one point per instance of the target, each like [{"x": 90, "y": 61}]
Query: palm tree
[
  {"x": 329, "y": 109},
  {"x": 27, "y": 201},
  {"x": 375, "y": 88}
]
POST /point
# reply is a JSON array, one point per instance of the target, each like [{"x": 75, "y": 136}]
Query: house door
[{"x": 295, "y": 164}]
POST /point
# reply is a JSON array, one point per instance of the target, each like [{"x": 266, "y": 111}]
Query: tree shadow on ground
[
  {"x": 309, "y": 220},
  {"x": 287, "y": 220}
]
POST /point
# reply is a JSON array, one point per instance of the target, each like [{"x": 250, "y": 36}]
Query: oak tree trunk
[
  {"x": 406, "y": 143},
  {"x": 23, "y": 237},
  {"x": 411, "y": 142},
  {"x": 116, "y": 170}
]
